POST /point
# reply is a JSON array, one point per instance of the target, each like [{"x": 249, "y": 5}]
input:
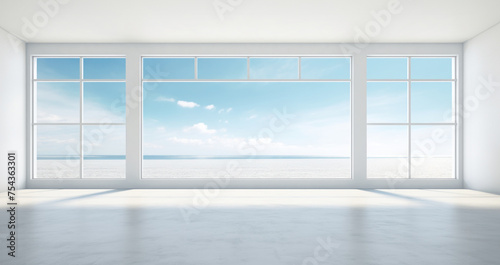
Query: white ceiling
[{"x": 252, "y": 21}]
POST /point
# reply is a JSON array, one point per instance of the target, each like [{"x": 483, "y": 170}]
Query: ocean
[{"x": 182, "y": 166}]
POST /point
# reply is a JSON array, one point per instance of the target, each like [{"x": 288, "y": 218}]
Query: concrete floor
[{"x": 264, "y": 227}]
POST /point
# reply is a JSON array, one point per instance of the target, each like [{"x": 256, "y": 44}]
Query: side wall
[
  {"x": 13, "y": 104},
  {"x": 482, "y": 111}
]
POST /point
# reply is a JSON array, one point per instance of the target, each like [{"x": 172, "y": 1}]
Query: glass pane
[
  {"x": 104, "y": 68},
  {"x": 325, "y": 68},
  {"x": 387, "y": 101},
  {"x": 104, "y": 151},
  {"x": 432, "y": 151},
  {"x": 57, "y": 102},
  {"x": 57, "y": 151},
  {"x": 270, "y": 129},
  {"x": 387, "y": 68},
  {"x": 274, "y": 68},
  {"x": 387, "y": 151},
  {"x": 168, "y": 68},
  {"x": 222, "y": 68},
  {"x": 431, "y": 102},
  {"x": 432, "y": 68},
  {"x": 57, "y": 68},
  {"x": 104, "y": 102}
]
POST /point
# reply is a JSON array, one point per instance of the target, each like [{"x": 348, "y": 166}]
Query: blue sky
[
  {"x": 236, "y": 68},
  {"x": 386, "y": 68},
  {"x": 431, "y": 102},
  {"x": 274, "y": 68},
  {"x": 173, "y": 68},
  {"x": 421, "y": 68},
  {"x": 69, "y": 68},
  {"x": 59, "y": 102},
  {"x": 387, "y": 102},
  {"x": 58, "y": 68},
  {"x": 222, "y": 68},
  {"x": 104, "y": 102},
  {"x": 215, "y": 118},
  {"x": 212, "y": 118}
]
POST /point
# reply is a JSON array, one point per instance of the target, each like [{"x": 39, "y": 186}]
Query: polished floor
[{"x": 261, "y": 227}]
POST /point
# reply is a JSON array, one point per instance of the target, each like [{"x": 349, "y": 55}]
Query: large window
[
  {"x": 78, "y": 117},
  {"x": 246, "y": 117},
  {"x": 411, "y": 122},
  {"x": 145, "y": 119}
]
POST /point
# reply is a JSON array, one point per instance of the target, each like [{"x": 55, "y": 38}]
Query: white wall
[
  {"x": 482, "y": 111},
  {"x": 13, "y": 106}
]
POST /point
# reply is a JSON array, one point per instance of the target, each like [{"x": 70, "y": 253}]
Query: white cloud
[
  {"x": 46, "y": 117},
  {"x": 210, "y": 107},
  {"x": 54, "y": 106},
  {"x": 225, "y": 110},
  {"x": 252, "y": 117},
  {"x": 187, "y": 104},
  {"x": 50, "y": 140},
  {"x": 164, "y": 99},
  {"x": 201, "y": 128},
  {"x": 160, "y": 129}
]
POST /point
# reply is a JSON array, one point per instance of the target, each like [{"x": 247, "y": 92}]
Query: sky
[
  {"x": 59, "y": 102},
  {"x": 215, "y": 118},
  {"x": 431, "y": 102},
  {"x": 236, "y": 117},
  {"x": 231, "y": 118}
]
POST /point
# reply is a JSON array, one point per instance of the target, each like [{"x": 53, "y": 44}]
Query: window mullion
[
  {"x": 81, "y": 118},
  {"x": 196, "y": 68},
  {"x": 300, "y": 66},
  {"x": 409, "y": 117}
]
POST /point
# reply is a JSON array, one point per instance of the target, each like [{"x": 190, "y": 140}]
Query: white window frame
[
  {"x": 81, "y": 81},
  {"x": 248, "y": 79},
  {"x": 134, "y": 53},
  {"x": 409, "y": 123}
]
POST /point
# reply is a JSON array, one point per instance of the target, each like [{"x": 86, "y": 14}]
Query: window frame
[
  {"x": 32, "y": 124},
  {"x": 455, "y": 112},
  {"x": 249, "y": 79},
  {"x": 134, "y": 52}
]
